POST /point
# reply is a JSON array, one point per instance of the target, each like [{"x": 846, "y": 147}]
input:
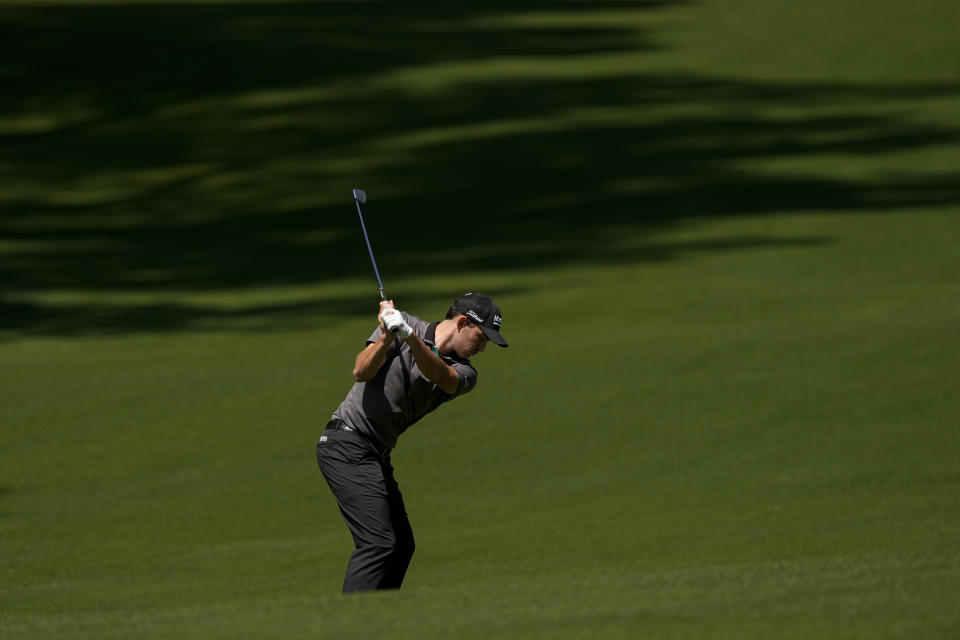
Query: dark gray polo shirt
[{"x": 399, "y": 395}]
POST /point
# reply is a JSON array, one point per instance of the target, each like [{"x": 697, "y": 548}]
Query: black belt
[{"x": 339, "y": 425}]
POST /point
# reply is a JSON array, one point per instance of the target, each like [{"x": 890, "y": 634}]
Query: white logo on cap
[
  {"x": 473, "y": 314},
  {"x": 497, "y": 320}
]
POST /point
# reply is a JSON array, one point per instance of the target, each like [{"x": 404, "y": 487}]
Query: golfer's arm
[
  {"x": 436, "y": 370},
  {"x": 370, "y": 360}
]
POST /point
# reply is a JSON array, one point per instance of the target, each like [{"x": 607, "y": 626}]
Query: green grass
[{"x": 724, "y": 235}]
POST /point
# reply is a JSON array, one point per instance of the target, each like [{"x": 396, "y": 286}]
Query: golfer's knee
[
  {"x": 401, "y": 549},
  {"x": 390, "y": 550}
]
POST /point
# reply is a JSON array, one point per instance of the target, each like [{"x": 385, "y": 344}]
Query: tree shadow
[{"x": 206, "y": 148}]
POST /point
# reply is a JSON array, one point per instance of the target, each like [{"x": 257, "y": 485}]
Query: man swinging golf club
[{"x": 407, "y": 369}]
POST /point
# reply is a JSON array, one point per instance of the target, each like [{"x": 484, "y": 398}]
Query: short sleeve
[
  {"x": 375, "y": 335},
  {"x": 466, "y": 377}
]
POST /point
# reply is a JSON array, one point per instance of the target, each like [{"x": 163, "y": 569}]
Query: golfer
[{"x": 408, "y": 368}]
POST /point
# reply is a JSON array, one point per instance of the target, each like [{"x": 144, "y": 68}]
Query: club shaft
[{"x": 383, "y": 294}]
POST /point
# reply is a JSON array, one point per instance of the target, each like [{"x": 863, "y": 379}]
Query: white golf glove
[{"x": 395, "y": 323}]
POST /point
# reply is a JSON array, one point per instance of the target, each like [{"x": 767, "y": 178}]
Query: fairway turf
[{"x": 724, "y": 237}]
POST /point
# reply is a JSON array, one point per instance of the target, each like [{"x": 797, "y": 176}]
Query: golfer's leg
[
  {"x": 357, "y": 481},
  {"x": 403, "y": 535},
  {"x": 366, "y": 507},
  {"x": 372, "y": 506}
]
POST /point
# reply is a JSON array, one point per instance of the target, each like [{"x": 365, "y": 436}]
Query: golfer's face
[{"x": 472, "y": 340}]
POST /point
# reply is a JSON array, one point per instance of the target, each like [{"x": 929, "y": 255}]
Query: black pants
[{"x": 361, "y": 479}]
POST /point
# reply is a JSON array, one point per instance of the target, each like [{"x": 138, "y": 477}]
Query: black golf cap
[{"x": 483, "y": 312}]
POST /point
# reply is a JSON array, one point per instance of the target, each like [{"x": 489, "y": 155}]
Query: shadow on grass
[{"x": 207, "y": 148}]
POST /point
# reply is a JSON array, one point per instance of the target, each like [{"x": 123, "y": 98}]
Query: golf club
[{"x": 360, "y": 197}]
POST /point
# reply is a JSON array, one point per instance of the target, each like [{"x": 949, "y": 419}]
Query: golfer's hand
[
  {"x": 384, "y": 305},
  {"x": 394, "y": 322}
]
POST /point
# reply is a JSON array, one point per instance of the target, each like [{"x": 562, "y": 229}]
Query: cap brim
[{"x": 494, "y": 337}]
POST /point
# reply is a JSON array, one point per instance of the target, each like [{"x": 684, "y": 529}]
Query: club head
[{"x": 360, "y": 196}]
